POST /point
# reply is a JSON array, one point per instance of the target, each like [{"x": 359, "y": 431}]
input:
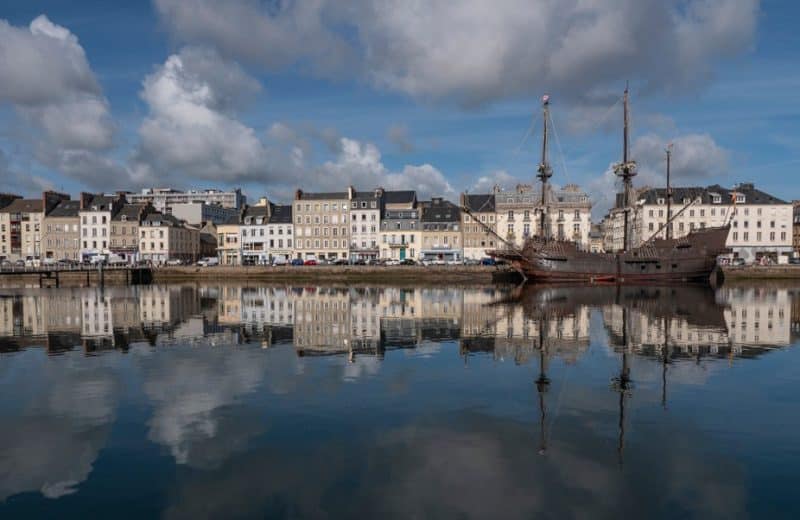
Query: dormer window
[
  {"x": 660, "y": 201},
  {"x": 123, "y": 218},
  {"x": 740, "y": 198},
  {"x": 716, "y": 199},
  {"x": 686, "y": 200}
]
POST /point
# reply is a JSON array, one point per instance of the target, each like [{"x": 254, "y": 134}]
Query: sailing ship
[{"x": 692, "y": 257}]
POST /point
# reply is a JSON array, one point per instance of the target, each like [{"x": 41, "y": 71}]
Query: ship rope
[
  {"x": 488, "y": 229},
  {"x": 665, "y": 224},
  {"x": 560, "y": 150}
]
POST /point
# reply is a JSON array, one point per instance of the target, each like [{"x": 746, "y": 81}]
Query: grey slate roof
[
  {"x": 24, "y": 206},
  {"x": 281, "y": 214},
  {"x": 399, "y": 196},
  {"x": 103, "y": 203},
  {"x": 440, "y": 210},
  {"x": 254, "y": 211},
  {"x": 161, "y": 217},
  {"x": 480, "y": 203},
  {"x": 130, "y": 211},
  {"x": 751, "y": 194},
  {"x": 323, "y": 195},
  {"x": 66, "y": 208}
]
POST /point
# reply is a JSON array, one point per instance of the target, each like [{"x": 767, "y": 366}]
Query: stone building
[
  {"x": 401, "y": 230},
  {"x": 441, "y": 232},
  {"x": 61, "y": 238},
  {"x": 125, "y": 230},
  {"x": 761, "y": 224},
  {"x": 163, "y": 237},
  {"x": 479, "y": 225},
  {"x": 568, "y": 213},
  {"x": 20, "y": 230},
  {"x": 365, "y": 216},
  {"x": 796, "y": 227},
  {"x": 229, "y": 250},
  {"x": 321, "y": 224}
]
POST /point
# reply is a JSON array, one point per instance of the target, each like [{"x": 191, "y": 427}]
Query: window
[
  {"x": 577, "y": 214},
  {"x": 526, "y": 215},
  {"x": 772, "y": 236},
  {"x": 735, "y": 236},
  {"x": 746, "y": 236},
  {"x": 650, "y": 227},
  {"x": 783, "y": 235}
]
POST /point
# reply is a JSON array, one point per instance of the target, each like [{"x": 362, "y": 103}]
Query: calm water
[{"x": 189, "y": 401}]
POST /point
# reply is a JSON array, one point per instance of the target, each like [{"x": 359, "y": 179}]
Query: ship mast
[
  {"x": 626, "y": 170},
  {"x": 668, "y": 231},
  {"x": 545, "y": 172}
]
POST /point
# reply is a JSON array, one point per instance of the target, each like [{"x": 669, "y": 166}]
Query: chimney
[
  {"x": 85, "y": 200},
  {"x": 351, "y": 192},
  {"x": 379, "y": 192},
  {"x": 463, "y": 200},
  {"x": 298, "y": 194}
]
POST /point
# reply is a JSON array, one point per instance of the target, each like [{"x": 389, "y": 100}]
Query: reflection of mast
[
  {"x": 665, "y": 361},
  {"x": 542, "y": 385},
  {"x": 623, "y": 384}
]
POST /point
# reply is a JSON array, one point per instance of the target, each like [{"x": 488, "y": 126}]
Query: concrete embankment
[
  {"x": 84, "y": 278},
  {"x": 456, "y": 275},
  {"x": 762, "y": 272}
]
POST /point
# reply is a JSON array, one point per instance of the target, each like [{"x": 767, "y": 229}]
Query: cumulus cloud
[
  {"x": 485, "y": 183},
  {"x": 399, "y": 136},
  {"x": 48, "y": 79},
  {"x": 473, "y": 51}
]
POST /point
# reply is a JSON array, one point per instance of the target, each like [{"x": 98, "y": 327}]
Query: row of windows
[
  {"x": 261, "y": 232},
  {"x": 321, "y": 243},
  {"x": 325, "y": 207},
  {"x": 334, "y": 219},
  {"x": 316, "y": 231},
  {"x": 354, "y": 217},
  {"x": 526, "y": 215},
  {"x": 259, "y": 245},
  {"x": 372, "y": 229},
  {"x": 746, "y": 236}
]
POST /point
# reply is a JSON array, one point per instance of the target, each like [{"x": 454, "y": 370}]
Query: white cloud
[{"x": 475, "y": 51}]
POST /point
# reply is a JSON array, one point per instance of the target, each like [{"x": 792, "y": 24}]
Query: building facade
[
  {"x": 20, "y": 229},
  {"x": 401, "y": 229},
  {"x": 365, "y": 216},
  {"x": 280, "y": 232},
  {"x": 229, "y": 250},
  {"x": 253, "y": 231},
  {"x": 322, "y": 224},
  {"x": 196, "y": 213},
  {"x": 61, "y": 238},
  {"x": 163, "y": 198},
  {"x": 479, "y": 225},
  {"x": 761, "y": 224},
  {"x": 163, "y": 237},
  {"x": 125, "y": 230},
  {"x": 441, "y": 232},
  {"x": 96, "y": 212}
]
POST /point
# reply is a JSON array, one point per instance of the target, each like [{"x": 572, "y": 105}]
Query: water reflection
[{"x": 421, "y": 401}]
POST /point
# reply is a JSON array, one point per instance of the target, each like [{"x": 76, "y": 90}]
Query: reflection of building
[
  {"x": 321, "y": 320},
  {"x": 758, "y": 315}
]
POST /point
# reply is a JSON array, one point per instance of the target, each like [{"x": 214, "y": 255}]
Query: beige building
[
  {"x": 441, "y": 232},
  {"x": 61, "y": 234},
  {"x": 321, "y": 224},
  {"x": 163, "y": 237},
  {"x": 229, "y": 245},
  {"x": 401, "y": 229},
  {"x": 125, "y": 230},
  {"x": 478, "y": 225},
  {"x": 20, "y": 224}
]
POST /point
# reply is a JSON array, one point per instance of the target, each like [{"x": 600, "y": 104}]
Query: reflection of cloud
[
  {"x": 190, "y": 389},
  {"x": 362, "y": 366},
  {"x": 62, "y": 417}
]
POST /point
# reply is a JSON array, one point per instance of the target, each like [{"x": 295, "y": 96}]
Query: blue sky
[{"x": 275, "y": 95}]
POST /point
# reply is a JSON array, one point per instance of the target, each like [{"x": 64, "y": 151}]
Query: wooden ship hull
[{"x": 687, "y": 259}]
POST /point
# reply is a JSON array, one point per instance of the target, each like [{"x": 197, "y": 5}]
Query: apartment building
[
  {"x": 96, "y": 212},
  {"x": 280, "y": 232},
  {"x": 321, "y": 224},
  {"x": 196, "y": 213},
  {"x": 20, "y": 229},
  {"x": 163, "y": 237},
  {"x": 253, "y": 230},
  {"x": 125, "y": 230},
  {"x": 761, "y": 224},
  {"x": 796, "y": 226},
  {"x": 365, "y": 216},
  {"x": 441, "y": 231},
  {"x": 61, "y": 238},
  {"x": 229, "y": 249},
  {"x": 401, "y": 229},
  {"x": 163, "y": 198},
  {"x": 479, "y": 225}
]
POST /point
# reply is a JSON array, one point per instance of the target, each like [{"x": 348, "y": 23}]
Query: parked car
[
  {"x": 340, "y": 261},
  {"x": 488, "y": 261},
  {"x": 297, "y": 261},
  {"x": 794, "y": 260},
  {"x": 310, "y": 261},
  {"x": 408, "y": 261},
  {"x": 738, "y": 261},
  {"x": 174, "y": 261},
  {"x": 208, "y": 261},
  {"x": 32, "y": 261},
  {"x": 5, "y": 263},
  {"x": 471, "y": 261},
  {"x": 48, "y": 261},
  {"x": 67, "y": 262},
  {"x": 280, "y": 260},
  {"x": 393, "y": 261},
  {"x": 19, "y": 263},
  {"x": 359, "y": 262}
]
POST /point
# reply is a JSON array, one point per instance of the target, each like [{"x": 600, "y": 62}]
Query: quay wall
[
  {"x": 761, "y": 272},
  {"x": 87, "y": 278}
]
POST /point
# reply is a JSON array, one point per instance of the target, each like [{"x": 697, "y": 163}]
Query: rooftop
[
  {"x": 66, "y": 208},
  {"x": 281, "y": 214},
  {"x": 335, "y": 195},
  {"x": 480, "y": 203},
  {"x": 714, "y": 194},
  {"x": 24, "y": 206},
  {"x": 399, "y": 196},
  {"x": 440, "y": 210}
]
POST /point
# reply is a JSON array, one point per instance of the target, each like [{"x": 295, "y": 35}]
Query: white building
[
  {"x": 95, "y": 213},
  {"x": 401, "y": 231},
  {"x": 162, "y": 198},
  {"x": 761, "y": 225},
  {"x": 365, "y": 216},
  {"x": 519, "y": 210}
]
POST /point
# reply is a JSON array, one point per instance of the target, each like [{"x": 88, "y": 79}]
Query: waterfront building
[
  {"x": 20, "y": 227},
  {"x": 163, "y": 198},
  {"x": 365, "y": 216},
  {"x": 596, "y": 239},
  {"x": 163, "y": 237},
  {"x": 761, "y": 224},
  {"x": 96, "y": 212},
  {"x": 253, "y": 230},
  {"x": 125, "y": 230},
  {"x": 441, "y": 231},
  {"x": 196, "y": 213},
  {"x": 479, "y": 225},
  {"x": 401, "y": 230},
  {"x": 229, "y": 249},
  {"x": 208, "y": 240},
  {"x": 568, "y": 213},
  {"x": 61, "y": 238},
  {"x": 6, "y": 226},
  {"x": 796, "y": 227},
  {"x": 280, "y": 232},
  {"x": 321, "y": 224}
]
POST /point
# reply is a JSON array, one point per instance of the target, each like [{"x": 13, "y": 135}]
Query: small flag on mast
[{"x": 545, "y": 98}]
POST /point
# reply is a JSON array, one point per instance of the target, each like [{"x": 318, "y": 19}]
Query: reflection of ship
[{"x": 692, "y": 257}]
